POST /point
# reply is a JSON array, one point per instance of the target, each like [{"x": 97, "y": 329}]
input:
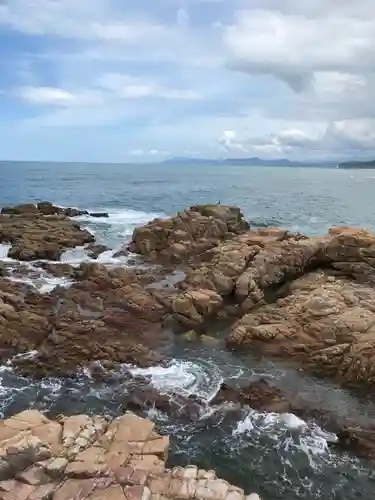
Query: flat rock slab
[{"x": 82, "y": 457}]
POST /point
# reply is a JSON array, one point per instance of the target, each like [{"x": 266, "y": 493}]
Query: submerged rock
[
  {"x": 99, "y": 215},
  {"x": 94, "y": 250}
]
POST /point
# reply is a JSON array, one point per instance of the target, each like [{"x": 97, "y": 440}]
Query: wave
[
  {"x": 289, "y": 433},
  {"x": 262, "y": 222},
  {"x": 37, "y": 277},
  {"x": 198, "y": 377},
  {"x": 124, "y": 220},
  {"x": 4, "y": 249}
]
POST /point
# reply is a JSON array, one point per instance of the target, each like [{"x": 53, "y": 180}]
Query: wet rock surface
[
  {"x": 308, "y": 299},
  {"x": 262, "y": 396},
  {"x": 105, "y": 315},
  {"x": 35, "y": 236},
  {"x": 90, "y": 457}
]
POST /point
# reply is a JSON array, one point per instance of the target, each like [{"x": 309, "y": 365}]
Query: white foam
[
  {"x": 30, "y": 355},
  {"x": 199, "y": 378},
  {"x": 289, "y": 432},
  {"x": 39, "y": 279},
  {"x": 78, "y": 255},
  {"x": 120, "y": 217},
  {"x": 4, "y": 249},
  {"x": 74, "y": 256}
]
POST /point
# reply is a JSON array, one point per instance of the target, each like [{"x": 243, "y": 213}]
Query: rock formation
[
  {"x": 35, "y": 236},
  {"x": 106, "y": 315},
  {"x": 188, "y": 234},
  {"x": 308, "y": 299},
  {"x": 81, "y": 457}
]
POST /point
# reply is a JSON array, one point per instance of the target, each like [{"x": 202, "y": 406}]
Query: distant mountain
[
  {"x": 357, "y": 164},
  {"x": 251, "y": 162}
]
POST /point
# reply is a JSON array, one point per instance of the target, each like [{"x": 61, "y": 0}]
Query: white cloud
[
  {"x": 46, "y": 95},
  {"x": 150, "y": 152},
  {"x": 50, "y": 96},
  {"x": 294, "y": 45},
  {"x": 136, "y": 152},
  {"x": 128, "y": 87},
  {"x": 93, "y": 20},
  {"x": 206, "y": 76},
  {"x": 339, "y": 139},
  {"x": 230, "y": 144}
]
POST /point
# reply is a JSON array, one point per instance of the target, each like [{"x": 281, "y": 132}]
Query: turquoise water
[{"x": 279, "y": 457}]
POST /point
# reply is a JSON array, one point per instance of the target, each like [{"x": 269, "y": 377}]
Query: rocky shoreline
[
  {"x": 307, "y": 300},
  {"x": 81, "y": 457}
]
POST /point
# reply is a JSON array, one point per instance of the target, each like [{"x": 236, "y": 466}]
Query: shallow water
[{"x": 279, "y": 456}]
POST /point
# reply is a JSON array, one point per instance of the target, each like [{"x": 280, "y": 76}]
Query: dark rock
[
  {"x": 99, "y": 214},
  {"x": 23, "y": 209},
  {"x": 94, "y": 250},
  {"x": 74, "y": 212},
  {"x": 47, "y": 208}
]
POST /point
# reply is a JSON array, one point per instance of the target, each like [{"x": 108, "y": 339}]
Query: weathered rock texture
[
  {"x": 36, "y": 236},
  {"x": 107, "y": 315},
  {"x": 82, "y": 458},
  {"x": 188, "y": 234},
  {"x": 311, "y": 298},
  {"x": 326, "y": 323}
]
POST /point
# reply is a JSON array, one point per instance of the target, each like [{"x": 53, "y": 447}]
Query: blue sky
[{"x": 125, "y": 80}]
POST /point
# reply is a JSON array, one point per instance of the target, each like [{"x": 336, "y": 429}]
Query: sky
[{"x": 145, "y": 80}]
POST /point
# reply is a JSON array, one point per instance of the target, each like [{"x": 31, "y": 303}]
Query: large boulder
[{"x": 188, "y": 234}]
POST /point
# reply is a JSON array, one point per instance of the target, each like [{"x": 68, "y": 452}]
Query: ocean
[{"x": 278, "y": 456}]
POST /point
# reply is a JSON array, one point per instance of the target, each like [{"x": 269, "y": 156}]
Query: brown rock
[
  {"x": 85, "y": 470},
  {"x": 23, "y": 209},
  {"x": 137, "y": 493},
  {"x": 79, "y": 489},
  {"x": 190, "y": 233},
  {"x": 55, "y": 467},
  {"x": 36, "y": 237},
  {"x": 94, "y": 250},
  {"x": 19, "y": 492},
  {"x": 47, "y": 208},
  {"x": 43, "y": 492},
  {"x": 34, "y": 476}
]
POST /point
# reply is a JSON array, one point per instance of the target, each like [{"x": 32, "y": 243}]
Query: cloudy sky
[{"x": 142, "y": 80}]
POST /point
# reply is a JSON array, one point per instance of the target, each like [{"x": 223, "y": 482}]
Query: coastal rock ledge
[{"x": 82, "y": 457}]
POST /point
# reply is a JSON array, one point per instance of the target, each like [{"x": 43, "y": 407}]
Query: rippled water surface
[{"x": 279, "y": 456}]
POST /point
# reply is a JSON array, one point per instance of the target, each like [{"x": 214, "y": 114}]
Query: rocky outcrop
[
  {"x": 188, "y": 234},
  {"x": 40, "y": 237},
  {"x": 106, "y": 315},
  {"x": 42, "y": 208},
  {"x": 326, "y": 323},
  {"x": 90, "y": 457}
]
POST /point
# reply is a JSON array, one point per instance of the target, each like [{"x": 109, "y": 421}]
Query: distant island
[
  {"x": 255, "y": 162},
  {"x": 358, "y": 164}
]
